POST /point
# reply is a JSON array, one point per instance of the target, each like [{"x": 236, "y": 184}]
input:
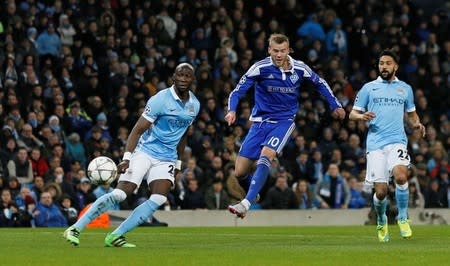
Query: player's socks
[
  {"x": 380, "y": 209},
  {"x": 259, "y": 178},
  {"x": 140, "y": 214},
  {"x": 101, "y": 205},
  {"x": 245, "y": 182},
  {"x": 402, "y": 198}
]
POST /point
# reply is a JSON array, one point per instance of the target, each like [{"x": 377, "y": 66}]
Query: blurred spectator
[
  {"x": 38, "y": 163},
  {"x": 69, "y": 212},
  {"x": 280, "y": 196},
  {"x": 216, "y": 198},
  {"x": 10, "y": 214},
  {"x": 416, "y": 199},
  {"x": 311, "y": 30},
  {"x": 435, "y": 196},
  {"x": 75, "y": 149},
  {"x": 193, "y": 198},
  {"x": 357, "y": 200},
  {"x": 332, "y": 190},
  {"x": 84, "y": 194},
  {"x": 20, "y": 167},
  {"x": 47, "y": 213},
  {"x": 305, "y": 197},
  {"x": 48, "y": 42},
  {"x": 336, "y": 40},
  {"x": 38, "y": 187}
]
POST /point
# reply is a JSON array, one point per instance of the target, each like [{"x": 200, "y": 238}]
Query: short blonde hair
[{"x": 278, "y": 38}]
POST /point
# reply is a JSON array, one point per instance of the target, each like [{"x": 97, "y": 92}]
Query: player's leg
[
  {"x": 276, "y": 136},
  {"x": 399, "y": 161},
  {"x": 161, "y": 179},
  {"x": 101, "y": 205},
  {"x": 378, "y": 174},
  {"x": 248, "y": 154},
  {"x": 242, "y": 170},
  {"x": 128, "y": 182},
  {"x": 272, "y": 137}
]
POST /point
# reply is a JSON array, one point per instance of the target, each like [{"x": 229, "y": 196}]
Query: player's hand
[
  {"x": 230, "y": 117},
  {"x": 123, "y": 166},
  {"x": 420, "y": 127},
  {"x": 367, "y": 116},
  {"x": 338, "y": 113}
]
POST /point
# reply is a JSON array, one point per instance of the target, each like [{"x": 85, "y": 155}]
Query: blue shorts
[{"x": 272, "y": 135}]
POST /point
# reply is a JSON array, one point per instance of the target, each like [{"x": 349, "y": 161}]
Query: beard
[{"x": 386, "y": 75}]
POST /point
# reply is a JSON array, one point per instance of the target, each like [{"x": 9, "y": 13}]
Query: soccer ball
[{"x": 102, "y": 170}]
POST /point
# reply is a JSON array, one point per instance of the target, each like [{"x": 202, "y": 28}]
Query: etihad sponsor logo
[
  {"x": 281, "y": 89},
  {"x": 388, "y": 101},
  {"x": 179, "y": 123}
]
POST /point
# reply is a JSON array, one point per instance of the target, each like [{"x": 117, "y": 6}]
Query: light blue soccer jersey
[
  {"x": 277, "y": 90},
  {"x": 171, "y": 118},
  {"x": 389, "y": 101}
]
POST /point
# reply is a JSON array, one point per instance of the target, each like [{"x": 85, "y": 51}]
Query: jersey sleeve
[
  {"x": 410, "y": 106},
  {"x": 322, "y": 86},
  {"x": 153, "y": 108},
  {"x": 245, "y": 83},
  {"x": 361, "y": 100}
]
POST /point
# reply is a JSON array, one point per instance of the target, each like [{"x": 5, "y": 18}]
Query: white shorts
[
  {"x": 381, "y": 162},
  {"x": 143, "y": 166}
]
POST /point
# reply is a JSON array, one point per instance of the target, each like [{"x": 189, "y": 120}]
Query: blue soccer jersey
[
  {"x": 277, "y": 90},
  {"x": 171, "y": 118},
  {"x": 389, "y": 101}
]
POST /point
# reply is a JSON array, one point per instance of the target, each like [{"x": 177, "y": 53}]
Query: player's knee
[
  {"x": 119, "y": 195},
  {"x": 400, "y": 174},
  {"x": 158, "y": 199},
  {"x": 381, "y": 195}
]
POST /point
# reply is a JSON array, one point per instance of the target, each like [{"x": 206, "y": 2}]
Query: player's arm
[
  {"x": 359, "y": 107},
  {"x": 139, "y": 128},
  {"x": 414, "y": 121},
  {"x": 324, "y": 89},
  {"x": 180, "y": 150},
  {"x": 245, "y": 83},
  {"x": 359, "y": 115}
]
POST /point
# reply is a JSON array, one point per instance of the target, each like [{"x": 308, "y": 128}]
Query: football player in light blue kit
[
  {"x": 276, "y": 80},
  {"x": 383, "y": 103},
  {"x": 151, "y": 153}
]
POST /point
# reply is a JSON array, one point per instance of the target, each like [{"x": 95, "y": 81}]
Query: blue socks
[
  {"x": 402, "y": 199},
  {"x": 380, "y": 209},
  {"x": 140, "y": 214},
  {"x": 259, "y": 178},
  {"x": 101, "y": 205}
]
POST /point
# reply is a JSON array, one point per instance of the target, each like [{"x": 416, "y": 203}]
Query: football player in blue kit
[{"x": 277, "y": 82}]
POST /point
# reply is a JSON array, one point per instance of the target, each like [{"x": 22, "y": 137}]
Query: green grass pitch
[{"x": 349, "y": 245}]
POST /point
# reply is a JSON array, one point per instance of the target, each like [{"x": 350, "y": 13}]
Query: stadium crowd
[{"x": 76, "y": 76}]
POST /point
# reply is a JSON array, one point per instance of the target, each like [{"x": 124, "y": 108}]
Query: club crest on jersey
[
  {"x": 242, "y": 81},
  {"x": 294, "y": 77},
  {"x": 400, "y": 91},
  {"x": 148, "y": 109}
]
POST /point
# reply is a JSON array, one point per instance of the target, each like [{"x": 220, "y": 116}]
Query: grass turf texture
[{"x": 352, "y": 245}]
